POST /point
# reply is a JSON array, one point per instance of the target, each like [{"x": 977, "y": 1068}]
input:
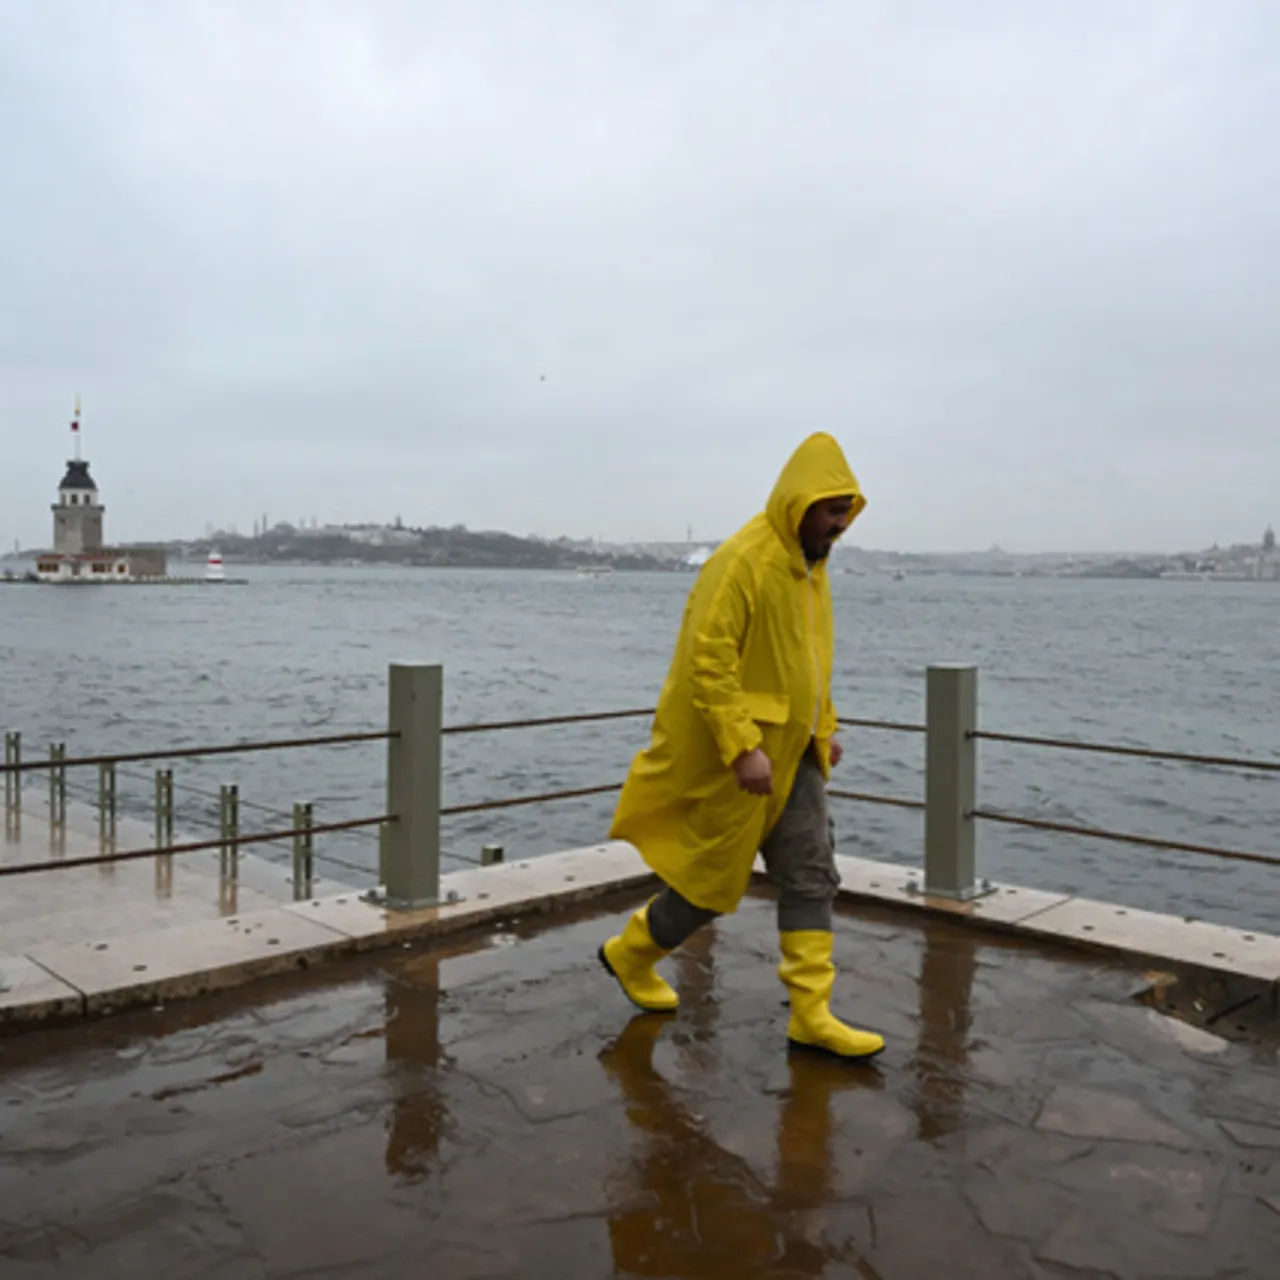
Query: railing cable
[
  {"x": 900, "y": 802},
  {"x": 193, "y": 753},
  {"x": 195, "y": 846},
  {"x": 1121, "y": 837},
  {"x": 1140, "y": 753}
]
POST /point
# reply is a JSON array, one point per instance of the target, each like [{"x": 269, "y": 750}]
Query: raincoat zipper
[{"x": 813, "y": 656}]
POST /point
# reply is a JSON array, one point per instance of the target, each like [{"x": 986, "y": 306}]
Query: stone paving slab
[
  {"x": 30, "y": 993},
  {"x": 1214, "y": 947},
  {"x": 1000, "y": 905},
  {"x": 490, "y": 1106},
  {"x": 118, "y": 900},
  {"x": 1099, "y": 926},
  {"x": 186, "y": 960}
]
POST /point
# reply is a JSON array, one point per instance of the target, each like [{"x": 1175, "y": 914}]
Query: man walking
[{"x": 743, "y": 743}]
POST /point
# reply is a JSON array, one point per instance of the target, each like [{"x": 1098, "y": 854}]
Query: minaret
[{"x": 77, "y": 515}]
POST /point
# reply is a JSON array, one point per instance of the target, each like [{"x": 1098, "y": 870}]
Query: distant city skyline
[
  {"x": 262, "y": 525},
  {"x": 571, "y": 270}
]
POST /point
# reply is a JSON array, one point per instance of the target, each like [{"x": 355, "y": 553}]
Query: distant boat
[
  {"x": 595, "y": 571},
  {"x": 899, "y": 576}
]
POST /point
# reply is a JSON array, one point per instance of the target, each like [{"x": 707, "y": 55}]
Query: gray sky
[{"x": 314, "y": 258}]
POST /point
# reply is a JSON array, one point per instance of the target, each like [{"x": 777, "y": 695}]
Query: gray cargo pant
[{"x": 799, "y": 855}]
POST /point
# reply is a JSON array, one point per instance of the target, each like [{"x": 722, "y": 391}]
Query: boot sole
[
  {"x": 644, "y": 1008},
  {"x": 824, "y": 1052}
]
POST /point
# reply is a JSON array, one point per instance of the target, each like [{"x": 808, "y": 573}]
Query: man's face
[{"x": 823, "y": 523}]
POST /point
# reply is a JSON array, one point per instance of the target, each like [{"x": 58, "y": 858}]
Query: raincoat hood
[{"x": 816, "y": 471}]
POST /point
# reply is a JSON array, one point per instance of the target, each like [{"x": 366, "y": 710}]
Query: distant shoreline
[
  {"x": 358, "y": 546},
  {"x": 14, "y": 571}
]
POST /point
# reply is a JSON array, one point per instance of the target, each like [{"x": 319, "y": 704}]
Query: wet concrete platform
[
  {"x": 489, "y": 1106},
  {"x": 119, "y": 899},
  {"x": 46, "y": 913},
  {"x": 83, "y": 942}
]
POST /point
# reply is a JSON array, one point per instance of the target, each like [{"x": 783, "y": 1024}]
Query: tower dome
[{"x": 77, "y": 477}]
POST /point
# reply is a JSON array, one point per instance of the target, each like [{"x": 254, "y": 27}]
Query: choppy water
[{"x": 1186, "y": 666}]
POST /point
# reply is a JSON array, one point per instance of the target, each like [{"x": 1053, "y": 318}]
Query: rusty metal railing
[
  {"x": 1122, "y": 837},
  {"x": 223, "y": 842},
  {"x": 1111, "y": 835},
  {"x": 191, "y": 753},
  {"x": 893, "y": 726},
  {"x": 1138, "y": 753},
  {"x": 409, "y": 830},
  {"x": 513, "y": 802},
  {"x": 542, "y": 722},
  {"x": 951, "y": 806},
  {"x": 862, "y": 797}
]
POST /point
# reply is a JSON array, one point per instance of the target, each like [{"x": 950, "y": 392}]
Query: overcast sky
[{"x": 317, "y": 258}]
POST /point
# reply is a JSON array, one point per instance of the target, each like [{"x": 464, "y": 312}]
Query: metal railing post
[
  {"x": 13, "y": 781},
  {"x": 164, "y": 807},
  {"x": 164, "y": 831},
  {"x": 230, "y": 824},
  {"x": 411, "y": 857},
  {"x": 303, "y": 847},
  {"x": 58, "y": 785},
  {"x": 950, "y": 782},
  {"x": 106, "y": 803}
]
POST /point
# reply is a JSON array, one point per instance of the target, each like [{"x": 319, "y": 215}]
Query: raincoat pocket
[{"x": 768, "y": 708}]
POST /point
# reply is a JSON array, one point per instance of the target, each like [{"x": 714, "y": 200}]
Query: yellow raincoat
[{"x": 752, "y": 668}]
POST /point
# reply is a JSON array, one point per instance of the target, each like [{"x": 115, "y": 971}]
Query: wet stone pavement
[{"x": 499, "y": 1111}]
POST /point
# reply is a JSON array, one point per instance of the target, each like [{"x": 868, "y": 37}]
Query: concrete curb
[{"x": 60, "y": 983}]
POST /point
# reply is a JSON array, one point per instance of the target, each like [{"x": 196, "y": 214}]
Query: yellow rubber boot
[
  {"x": 809, "y": 975},
  {"x": 630, "y": 957}
]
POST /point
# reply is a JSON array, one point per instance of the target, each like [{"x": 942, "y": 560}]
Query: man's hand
[
  {"x": 837, "y": 752},
  {"x": 754, "y": 772}
]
